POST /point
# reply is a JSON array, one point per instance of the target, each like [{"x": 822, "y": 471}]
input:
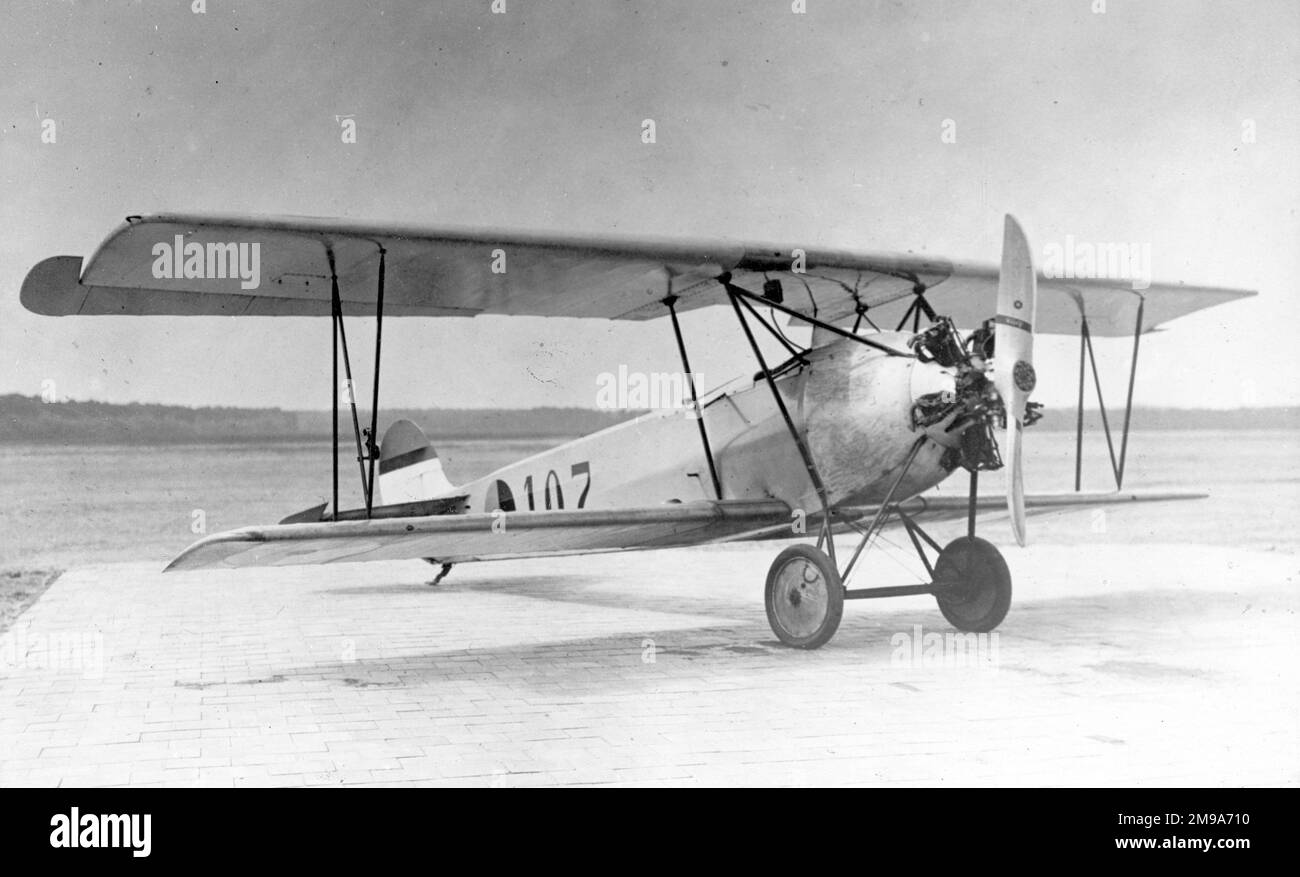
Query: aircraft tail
[{"x": 409, "y": 468}]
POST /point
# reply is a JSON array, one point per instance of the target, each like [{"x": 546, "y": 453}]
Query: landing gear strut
[
  {"x": 442, "y": 573},
  {"x": 805, "y": 593}
]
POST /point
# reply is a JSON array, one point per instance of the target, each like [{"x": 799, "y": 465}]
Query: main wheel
[
  {"x": 974, "y": 585},
  {"x": 804, "y": 597}
]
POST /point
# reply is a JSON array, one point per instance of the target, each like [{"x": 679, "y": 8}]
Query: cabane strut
[{"x": 738, "y": 297}]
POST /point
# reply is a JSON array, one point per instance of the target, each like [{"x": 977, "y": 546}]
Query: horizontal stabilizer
[
  {"x": 449, "y": 505},
  {"x": 308, "y": 516}
]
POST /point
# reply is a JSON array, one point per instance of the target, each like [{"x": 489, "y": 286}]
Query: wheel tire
[
  {"x": 976, "y": 582},
  {"x": 804, "y": 597}
]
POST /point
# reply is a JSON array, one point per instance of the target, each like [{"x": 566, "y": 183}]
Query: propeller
[{"x": 1013, "y": 357}]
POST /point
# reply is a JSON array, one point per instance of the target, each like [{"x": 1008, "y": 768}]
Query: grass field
[{"x": 20, "y": 588}]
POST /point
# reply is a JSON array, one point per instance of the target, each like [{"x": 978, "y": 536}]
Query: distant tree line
[{"x": 26, "y": 419}]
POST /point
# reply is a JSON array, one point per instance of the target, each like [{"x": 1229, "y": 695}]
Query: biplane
[{"x": 917, "y": 367}]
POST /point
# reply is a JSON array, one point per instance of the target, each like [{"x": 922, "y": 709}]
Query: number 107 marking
[{"x": 553, "y": 493}]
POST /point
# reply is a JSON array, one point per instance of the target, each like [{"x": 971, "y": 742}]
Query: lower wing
[
  {"x": 497, "y": 536},
  {"x": 937, "y": 509},
  {"x": 944, "y": 508}
]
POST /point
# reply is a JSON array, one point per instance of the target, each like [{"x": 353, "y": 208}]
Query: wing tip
[
  {"x": 205, "y": 553},
  {"x": 52, "y": 288}
]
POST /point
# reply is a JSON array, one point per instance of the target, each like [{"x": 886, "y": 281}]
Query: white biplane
[{"x": 848, "y": 432}]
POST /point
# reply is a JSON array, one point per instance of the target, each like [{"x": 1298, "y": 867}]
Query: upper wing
[
  {"x": 457, "y": 538},
  {"x": 431, "y": 272}
]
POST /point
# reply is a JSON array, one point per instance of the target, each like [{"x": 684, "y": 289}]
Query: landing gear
[
  {"x": 442, "y": 573},
  {"x": 805, "y": 590},
  {"x": 972, "y": 585},
  {"x": 804, "y": 597}
]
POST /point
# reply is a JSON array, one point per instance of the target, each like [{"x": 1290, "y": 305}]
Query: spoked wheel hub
[{"x": 804, "y": 597}]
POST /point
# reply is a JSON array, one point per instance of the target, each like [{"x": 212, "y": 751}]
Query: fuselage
[{"x": 851, "y": 403}]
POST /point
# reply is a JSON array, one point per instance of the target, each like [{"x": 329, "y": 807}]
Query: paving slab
[{"x": 1144, "y": 665}]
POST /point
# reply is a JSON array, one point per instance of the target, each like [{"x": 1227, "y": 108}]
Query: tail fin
[{"x": 409, "y": 468}]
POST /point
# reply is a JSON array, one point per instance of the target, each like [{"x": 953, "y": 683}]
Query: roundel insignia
[
  {"x": 1023, "y": 374},
  {"x": 1019, "y": 304}
]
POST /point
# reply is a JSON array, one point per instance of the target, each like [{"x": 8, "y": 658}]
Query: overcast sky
[{"x": 820, "y": 129}]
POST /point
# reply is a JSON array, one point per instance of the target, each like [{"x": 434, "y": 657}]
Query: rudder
[{"x": 409, "y": 468}]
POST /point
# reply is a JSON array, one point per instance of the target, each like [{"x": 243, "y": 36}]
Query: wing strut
[
  {"x": 372, "y": 451},
  {"x": 367, "y": 450},
  {"x": 918, "y": 307},
  {"x": 1086, "y": 357},
  {"x": 671, "y": 301},
  {"x": 334, "y": 381},
  {"x": 795, "y": 353},
  {"x": 735, "y": 294}
]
